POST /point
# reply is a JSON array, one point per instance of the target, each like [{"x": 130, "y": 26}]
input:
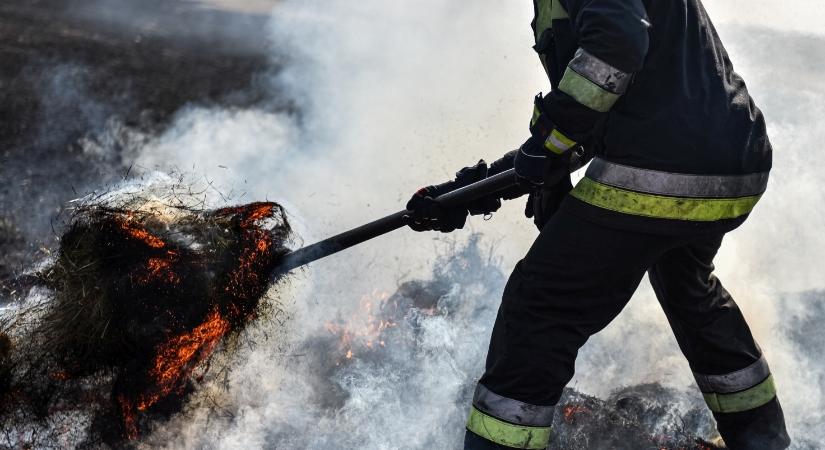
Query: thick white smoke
[{"x": 393, "y": 95}]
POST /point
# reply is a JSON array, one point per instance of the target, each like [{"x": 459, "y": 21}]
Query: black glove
[
  {"x": 545, "y": 145},
  {"x": 544, "y": 201},
  {"x": 427, "y": 214}
]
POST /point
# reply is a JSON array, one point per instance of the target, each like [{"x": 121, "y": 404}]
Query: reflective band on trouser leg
[
  {"x": 509, "y": 422},
  {"x": 593, "y": 82},
  {"x": 635, "y": 203},
  {"x": 738, "y": 391},
  {"x": 507, "y": 434},
  {"x": 742, "y": 401}
]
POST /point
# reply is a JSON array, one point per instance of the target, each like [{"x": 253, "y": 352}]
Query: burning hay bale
[{"x": 138, "y": 297}]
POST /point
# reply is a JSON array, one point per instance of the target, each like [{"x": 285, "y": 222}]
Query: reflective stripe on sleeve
[
  {"x": 544, "y": 17},
  {"x": 558, "y": 11},
  {"x": 507, "y": 434},
  {"x": 536, "y": 115},
  {"x": 594, "y": 83},
  {"x": 600, "y": 73},
  {"x": 586, "y": 92},
  {"x": 558, "y": 143},
  {"x": 546, "y": 12}
]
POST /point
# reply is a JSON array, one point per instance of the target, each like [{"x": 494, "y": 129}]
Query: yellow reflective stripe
[
  {"x": 536, "y": 115},
  {"x": 558, "y": 143},
  {"x": 745, "y": 400},
  {"x": 649, "y": 205},
  {"x": 544, "y": 14},
  {"x": 557, "y": 11},
  {"x": 587, "y": 92},
  {"x": 507, "y": 434},
  {"x": 547, "y": 12}
]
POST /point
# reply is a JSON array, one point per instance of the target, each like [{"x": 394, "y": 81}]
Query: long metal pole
[{"x": 384, "y": 225}]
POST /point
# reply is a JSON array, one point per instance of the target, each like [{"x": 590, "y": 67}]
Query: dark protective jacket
[{"x": 649, "y": 86}]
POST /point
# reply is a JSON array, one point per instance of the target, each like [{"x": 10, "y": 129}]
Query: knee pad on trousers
[{"x": 762, "y": 428}]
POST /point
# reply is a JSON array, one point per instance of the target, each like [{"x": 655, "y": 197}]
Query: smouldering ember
[
  {"x": 571, "y": 411},
  {"x": 365, "y": 328},
  {"x": 141, "y": 298}
]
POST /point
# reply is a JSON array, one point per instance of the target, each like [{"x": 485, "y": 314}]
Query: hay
[{"x": 138, "y": 297}]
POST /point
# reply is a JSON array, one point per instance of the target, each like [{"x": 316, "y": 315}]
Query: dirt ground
[{"x": 71, "y": 68}]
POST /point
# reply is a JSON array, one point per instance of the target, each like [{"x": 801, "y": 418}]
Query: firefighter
[{"x": 680, "y": 157}]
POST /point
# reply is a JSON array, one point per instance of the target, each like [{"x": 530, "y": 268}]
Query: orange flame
[
  {"x": 127, "y": 409},
  {"x": 570, "y": 412},
  {"x": 61, "y": 375},
  {"x": 158, "y": 269},
  {"x": 364, "y": 329},
  {"x": 140, "y": 234},
  {"x": 259, "y": 211},
  {"x": 178, "y": 357}
]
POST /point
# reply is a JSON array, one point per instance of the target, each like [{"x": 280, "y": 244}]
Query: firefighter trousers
[{"x": 575, "y": 279}]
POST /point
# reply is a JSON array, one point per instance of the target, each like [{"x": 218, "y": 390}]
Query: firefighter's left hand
[{"x": 427, "y": 214}]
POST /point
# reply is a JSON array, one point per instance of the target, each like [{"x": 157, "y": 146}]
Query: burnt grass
[{"x": 72, "y": 67}]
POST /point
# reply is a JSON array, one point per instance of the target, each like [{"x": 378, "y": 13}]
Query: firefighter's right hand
[
  {"x": 545, "y": 200},
  {"x": 426, "y": 214},
  {"x": 531, "y": 162},
  {"x": 542, "y": 152}
]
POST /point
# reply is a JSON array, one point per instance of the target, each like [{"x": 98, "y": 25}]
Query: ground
[{"x": 71, "y": 67}]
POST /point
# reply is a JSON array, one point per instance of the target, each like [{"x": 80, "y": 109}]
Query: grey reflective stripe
[
  {"x": 599, "y": 72},
  {"x": 677, "y": 184},
  {"x": 735, "y": 381},
  {"x": 510, "y": 410}
]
